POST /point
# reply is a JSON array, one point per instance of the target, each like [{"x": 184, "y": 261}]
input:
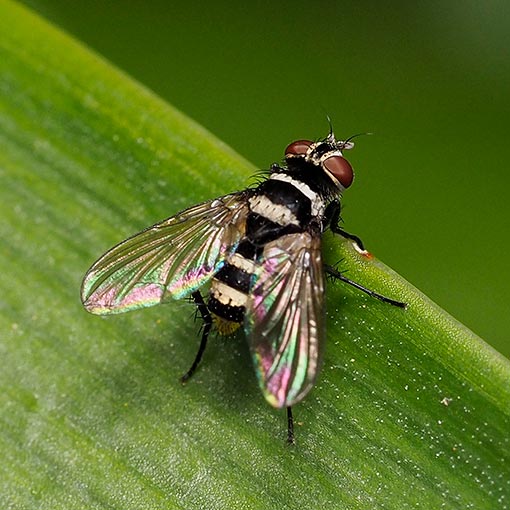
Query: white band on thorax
[{"x": 316, "y": 201}]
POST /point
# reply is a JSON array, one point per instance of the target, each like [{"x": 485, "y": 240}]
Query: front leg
[{"x": 332, "y": 219}]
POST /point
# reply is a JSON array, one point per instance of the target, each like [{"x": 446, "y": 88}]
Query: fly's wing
[
  {"x": 171, "y": 258},
  {"x": 285, "y": 318}
]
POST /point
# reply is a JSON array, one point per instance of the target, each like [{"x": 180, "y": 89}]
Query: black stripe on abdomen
[
  {"x": 234, "y": 277},
  {"x": 226, "y": 312}
]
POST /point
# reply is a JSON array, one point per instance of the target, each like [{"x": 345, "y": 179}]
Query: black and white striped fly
[{"x": 260, "y": 250}]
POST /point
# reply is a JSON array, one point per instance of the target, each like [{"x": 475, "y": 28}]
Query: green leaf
[{"x": 411, "y": 410}]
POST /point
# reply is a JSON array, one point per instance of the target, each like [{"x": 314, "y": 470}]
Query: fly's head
[{"x": 324, "y": 155}]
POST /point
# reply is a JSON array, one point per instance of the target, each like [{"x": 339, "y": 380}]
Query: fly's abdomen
[
  {"x": 230, "y": 288},
  {"x": 280, "y": 206}
]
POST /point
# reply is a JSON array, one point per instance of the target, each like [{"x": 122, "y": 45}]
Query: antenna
[
  {"x": 331, "y": 134},
  {"x": 347, "y": 144}
]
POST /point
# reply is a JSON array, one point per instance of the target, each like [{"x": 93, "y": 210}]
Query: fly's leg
[
  {"x": 352, "y": 237},
  {"x": 332, "y": 219},
  {"x": 337, "y": 275},
  {"x": 206, "y": 317},
  {"x": 290, "y": 426}
]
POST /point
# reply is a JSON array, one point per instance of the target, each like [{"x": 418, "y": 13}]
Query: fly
[{"x": 260, "y": 250}]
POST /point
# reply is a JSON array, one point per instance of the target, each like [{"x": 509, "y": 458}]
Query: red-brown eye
[
  {"x": 341, "y": 169},
  {"x": 298, "y": 148}
]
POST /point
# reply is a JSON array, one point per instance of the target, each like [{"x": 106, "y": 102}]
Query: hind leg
[
  {"x": 206, "y": 317},
  {"x": 290, "y": 426},
  {"x": 337, "y": 275}
]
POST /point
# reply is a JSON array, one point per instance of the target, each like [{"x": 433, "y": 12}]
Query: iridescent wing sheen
[
  {"x": 172, "y": 258},
  {"x": 285, "y": 318}
]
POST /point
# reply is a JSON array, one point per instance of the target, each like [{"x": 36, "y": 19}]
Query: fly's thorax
[
  {"x": 316, "y": 200},
  {"x": 285, "y": 201},
  {"x": 263, "y": 206}
]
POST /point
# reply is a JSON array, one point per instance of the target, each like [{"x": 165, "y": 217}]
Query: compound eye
[
  {"x": 341, "y": 169},
  {"x": 299, "y": 148}
]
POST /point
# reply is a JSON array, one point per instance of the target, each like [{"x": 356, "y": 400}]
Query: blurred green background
[{"x": 431, "y": 80}]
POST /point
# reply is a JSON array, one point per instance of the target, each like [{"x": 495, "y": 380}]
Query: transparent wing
[
  {"x": 285, "y": 318},
  {"x": 171, "y": 258}
]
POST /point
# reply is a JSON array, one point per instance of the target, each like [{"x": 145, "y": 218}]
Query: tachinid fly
[{"x": 260, "y": 249}]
